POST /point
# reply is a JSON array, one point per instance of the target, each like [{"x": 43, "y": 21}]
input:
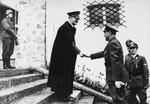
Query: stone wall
[
  {"x": 31, "y": 32},
  {"x": 31, "y": 51}
]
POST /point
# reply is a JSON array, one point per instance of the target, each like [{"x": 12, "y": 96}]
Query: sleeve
[
  {"x": 146, "y": 73},
  {"x": 115, "y": 54},
  {"x": 97, "y": 55},
  {"x": 126, "y": 63},
  {"x": 8, "y": 29},
  {"x": 75, "y": 48},
  {"x": 126, "y": 70},
  {"x": 116, "y": 61}
]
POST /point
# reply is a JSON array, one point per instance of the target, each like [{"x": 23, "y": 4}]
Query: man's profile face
[
  {"x": 133, "y": 51},
  {"x": 75, "y": 19},
  {"x": 106, "y": 35},
  {"x": 10, "y": 15}
]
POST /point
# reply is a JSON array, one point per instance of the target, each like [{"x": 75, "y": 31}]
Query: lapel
[{"x": 106, "y": 50}]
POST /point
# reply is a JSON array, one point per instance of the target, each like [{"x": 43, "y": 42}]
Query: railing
[{"x": 82, "y": 87}]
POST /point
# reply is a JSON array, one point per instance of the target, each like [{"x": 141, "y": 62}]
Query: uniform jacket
[
  {"x": 63, "y": 58},
  {"x": 138, "y": 71},
  {"x": 113, "y": 55},
  {"x": 8, "y": 29}
]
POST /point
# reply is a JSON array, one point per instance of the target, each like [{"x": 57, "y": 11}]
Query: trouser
[
  {"x": 136, "y": 96},
  {"x": 118, "y": 94},
  {"x": 7, "y": 50}
]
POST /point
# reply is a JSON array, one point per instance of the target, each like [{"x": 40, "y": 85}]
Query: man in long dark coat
[
  {"x": 116, "y": 75},
  {"x": 63, "y": 58}
]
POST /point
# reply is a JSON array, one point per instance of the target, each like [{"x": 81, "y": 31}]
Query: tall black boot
[
  {"x": 8, "y": 64},
  {"x": 5, "y": 64}
]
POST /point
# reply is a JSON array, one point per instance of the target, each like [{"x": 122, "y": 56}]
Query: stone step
[
  {"x": 86, "y": 100},
  {"x": 12, "y": 62},
  {"x": 51, "y": 100},
  {"x": 14, "y": 72},
  {"x": 13, "y": 93},
  {"x": 34, "y": 98},
  {"x": 7, "y": 82},
  {"x": 99, "y": 101},
  {"x": 45, "y": 97},
  {"x": 93, "y": 92}
]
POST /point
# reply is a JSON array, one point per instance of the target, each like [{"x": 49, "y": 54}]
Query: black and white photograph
[{"x": 74, "y": 52}]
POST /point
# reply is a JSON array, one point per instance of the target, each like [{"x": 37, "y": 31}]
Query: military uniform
[
  {"x": 138, "y": 79},
  {"x": 8, "y": 38},
  {"x": 115, "y": 71}
]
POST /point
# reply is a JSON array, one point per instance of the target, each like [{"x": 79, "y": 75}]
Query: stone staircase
[
  {"x": 27, "y": 86},
  {"x": 18, "y": 83}
]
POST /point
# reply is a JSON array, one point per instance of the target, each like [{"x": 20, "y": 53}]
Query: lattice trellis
[{"x": 97, "y": 14}]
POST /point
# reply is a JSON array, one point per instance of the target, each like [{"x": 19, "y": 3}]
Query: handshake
[{"x": 84, "y": 55}]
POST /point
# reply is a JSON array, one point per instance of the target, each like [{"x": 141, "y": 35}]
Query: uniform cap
[
  {"x": 133, "y": 45},
  {"x": 108, "y": 26},
  {"x": 8, "y": 11},
  {"x": 128, "y": 43},
  {"x": 74, "y": 13}
]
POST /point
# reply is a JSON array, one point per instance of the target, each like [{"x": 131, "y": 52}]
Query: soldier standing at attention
[
  {"x": 9, "y": 38},
  {"x": 137, "y": 68}
]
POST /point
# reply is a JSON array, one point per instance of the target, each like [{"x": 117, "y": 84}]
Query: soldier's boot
[
  {"x": 9, "y": 66},
  {"x": 5, "y": 64}
]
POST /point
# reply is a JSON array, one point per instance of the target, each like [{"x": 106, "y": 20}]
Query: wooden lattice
[{"x": 97, "y": 14}]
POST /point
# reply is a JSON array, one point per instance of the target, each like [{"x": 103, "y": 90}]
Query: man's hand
[
  {"x": 84, "y": 55},
  {"x": 118, "y": 84},
  {"x": 81, "y": 54}
]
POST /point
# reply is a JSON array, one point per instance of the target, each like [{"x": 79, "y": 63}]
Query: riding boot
[
  {"x": 5, "y": 64},
  {"x": 8, "y": 64}
]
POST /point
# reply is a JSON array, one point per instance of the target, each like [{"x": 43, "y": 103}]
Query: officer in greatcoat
[
  {"x": 137, "y": 68},
  {"x": 115, "y": 72},
  {"x": 9, "y": 39},
  {"x": 63, "y": 58}
]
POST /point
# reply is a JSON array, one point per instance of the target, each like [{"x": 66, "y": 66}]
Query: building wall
[
  {"x": 91, "y": 41},
  {"x": 31, "y": 32},
  {"x": 34, "y": 17}
]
